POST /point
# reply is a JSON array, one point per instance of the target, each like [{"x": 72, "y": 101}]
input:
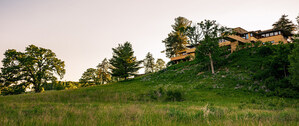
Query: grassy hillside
[{"x": 183, "y": 94}]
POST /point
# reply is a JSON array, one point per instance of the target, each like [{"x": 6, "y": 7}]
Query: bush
[
  {"x": 11, "y": 90},
  {"x": 166, "y": 93},
  {"x": 61, "y": 85}
]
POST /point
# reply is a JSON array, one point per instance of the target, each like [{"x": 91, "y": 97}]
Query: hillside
[{"x": 182, "y": 94}]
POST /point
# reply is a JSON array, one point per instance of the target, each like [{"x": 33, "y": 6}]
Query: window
[
  {"x": 263, "y": 35},
  {"x": 279, "y": 32},
  {"x": 221, "y": 40},
  {"x": 271, "y": 34},
  {"x": 246, "y": 36},
  {"x": 275, "y": 33},
  {"x": 267, "y": 35},
  {"x": 251, "y": 35}
]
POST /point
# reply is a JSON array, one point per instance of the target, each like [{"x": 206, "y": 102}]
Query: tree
[
  {"x": 35, "y": 66},
  {"x": 103, "y": 71},
  {"x": 294, "y": 65},
  {"x": 89, "y": 77},
  {"x": 123, "y": 61},
  {"x": 194, "y": 35},
  {"x": 284, "y": 24},
  {"x": 149, "y": 63},
  {"x": 177, "y": 39},
  {"x": 209, "y": 47},
  {"x": 160, "y": 64}
]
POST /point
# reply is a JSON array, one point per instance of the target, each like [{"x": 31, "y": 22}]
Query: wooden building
[{"x": 240, "y": 37}]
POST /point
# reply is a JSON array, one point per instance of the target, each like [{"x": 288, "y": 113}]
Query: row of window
[{"x": 271, "y": 34}]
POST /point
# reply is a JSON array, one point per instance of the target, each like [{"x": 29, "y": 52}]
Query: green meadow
[{"x": 182, "y": 94}]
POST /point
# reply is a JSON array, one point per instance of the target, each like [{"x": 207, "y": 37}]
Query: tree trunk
[
  {"x": 37, "y": 88},
  {"x": 211, "y": 62}
]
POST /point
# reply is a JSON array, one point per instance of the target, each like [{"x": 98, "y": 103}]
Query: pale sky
[{"x": 83, "y": 32}]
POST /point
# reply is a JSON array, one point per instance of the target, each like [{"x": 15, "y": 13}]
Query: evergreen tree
[
  {"x": 177, "y": 39},
  {"x": 124, "y": 63},
  {"x": 149, "y": 63},
  {"x": 160, "y": 64},
  {"x": 284, "y": 24}
]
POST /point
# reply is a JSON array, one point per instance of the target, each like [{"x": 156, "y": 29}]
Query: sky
[{"x": 83, "y": 32}]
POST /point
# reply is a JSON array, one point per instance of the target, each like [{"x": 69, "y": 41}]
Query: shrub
[
  {"x": 166, "y": 93},
  {"x": 11, "y": 90}
]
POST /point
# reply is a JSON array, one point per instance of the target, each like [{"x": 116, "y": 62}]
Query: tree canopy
[
  {"x": 35, "y": 66},
  {"x": 124, "y": 63},
  {"x": 160, "y": 64},
  {"x": 177, "y": 39},
  {"x": 104, "y": 71},
  {"x": 284, "y": 24},
  {"x": 209, "y": 45},
  {"x": 90, "y": 77}
]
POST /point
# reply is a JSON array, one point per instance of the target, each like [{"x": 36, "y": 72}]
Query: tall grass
[{"x": 182, "y": 94}]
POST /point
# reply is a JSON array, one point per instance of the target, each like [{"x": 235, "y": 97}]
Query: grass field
[{"x": 182, "y": 94}]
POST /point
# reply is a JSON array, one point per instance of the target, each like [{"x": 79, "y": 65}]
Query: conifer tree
[
  {"x": 149, "y": 63},
  {"x": 284, "y": 24},
  {"x": 124, "y": 63},
  {"x": 178, "y": 38}
]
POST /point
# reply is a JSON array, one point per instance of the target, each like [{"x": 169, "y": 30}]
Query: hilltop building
[{"x": 241, "y": 37}]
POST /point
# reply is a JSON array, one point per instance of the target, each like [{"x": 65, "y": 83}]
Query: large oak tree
[{"x": 35, "y": 66}]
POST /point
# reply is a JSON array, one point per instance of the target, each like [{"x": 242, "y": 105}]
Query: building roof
[{"x": 240, "y": 30}]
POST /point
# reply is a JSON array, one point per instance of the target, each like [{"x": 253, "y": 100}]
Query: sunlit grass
[{"x": 208, "y": 100}]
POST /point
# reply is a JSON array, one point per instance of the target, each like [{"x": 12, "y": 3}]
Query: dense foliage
[
  {"x": 209, "y": 48},
  {"x": 60, "y": 85},
  {"x": 90, "y": 77},
  {"x": 177, "y": 38},
  {"x": 284, "y": 24},
  {"x": 269, "y": 67},
  {"x": 294, "y": 65},
  {"x": 124, "y": 63},
  {"x": 35, "y": 66},
  {"x": 160, "y": 65}
]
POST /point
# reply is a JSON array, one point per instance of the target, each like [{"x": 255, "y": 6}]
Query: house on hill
[{"x": 241, "y": 37}]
